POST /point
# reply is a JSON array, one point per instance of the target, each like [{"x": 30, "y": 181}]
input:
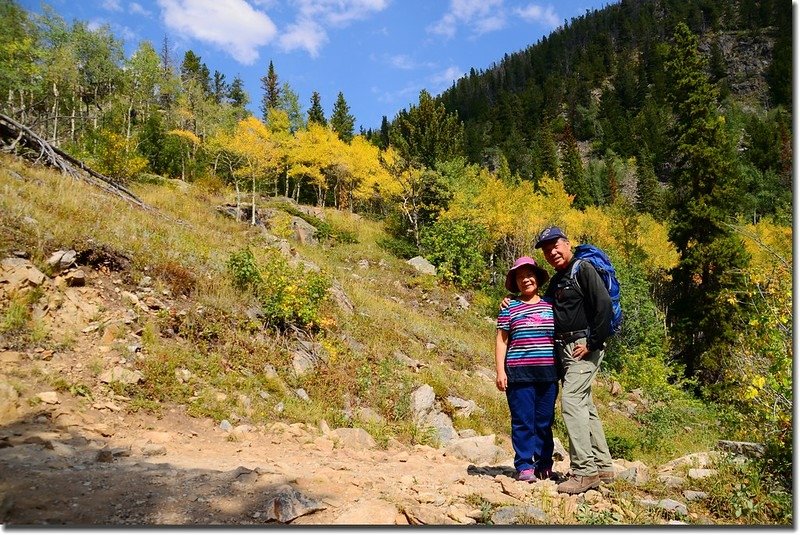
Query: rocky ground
[{"x": 69, "y": 459}]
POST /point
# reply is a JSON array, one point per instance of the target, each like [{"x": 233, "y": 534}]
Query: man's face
[{"x": 558, "y": 253}]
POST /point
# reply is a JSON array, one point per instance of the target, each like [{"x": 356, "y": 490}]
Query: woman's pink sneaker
[{"x": 528, "y": 475}]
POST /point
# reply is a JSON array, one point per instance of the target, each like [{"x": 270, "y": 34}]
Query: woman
[{"x": 526, "y": 370}]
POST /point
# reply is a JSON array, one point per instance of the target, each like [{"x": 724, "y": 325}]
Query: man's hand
[
  {"x": 505, "y": 302},
  {"x": 501, "y": 381},
  {"x": 580, "y": 351}
]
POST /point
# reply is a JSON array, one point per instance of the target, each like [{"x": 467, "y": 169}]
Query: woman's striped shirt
[{"x": 530, "y": 355}]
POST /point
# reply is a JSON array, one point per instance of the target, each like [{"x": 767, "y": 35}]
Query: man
[{"x": 583, "y": 322}]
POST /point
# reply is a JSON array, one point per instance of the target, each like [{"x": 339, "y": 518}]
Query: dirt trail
[
  {"x": 76, "y": 467},
  {"x": 67, "y": 459}
]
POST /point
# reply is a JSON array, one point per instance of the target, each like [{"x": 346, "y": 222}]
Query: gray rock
[
  {"x": 673, "y": 506},
  {"x": 443, "y": 426},
  {"x": 422, "y": 265},
  {"x": 302, "y": 394},
  {"x": 286, "y": 503},
  {"x": 306, "y": 356},
  {"x": 479, "y": 450},
  {"x": 422, "y": 402},
  {"x": 510, "y": 515},
  {"x": 638, "y": 474},
  {"x": 751, "y": 449},
  {"x": 226, "y": 426},
  {"x": 62, "y": 259},
  {"x": 304, "y": 232},
  {"x": 463, "y": 407},
  {"x": 694, "y": 495},
  {"x": 462, "y": 302},
  {"x": 341, "y": 299}
]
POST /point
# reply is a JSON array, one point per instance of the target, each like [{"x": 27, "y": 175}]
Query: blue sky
[{"x": 378, "y": 53}]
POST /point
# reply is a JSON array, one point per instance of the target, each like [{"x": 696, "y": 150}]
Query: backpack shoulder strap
[{"x": 573, "y": 273}]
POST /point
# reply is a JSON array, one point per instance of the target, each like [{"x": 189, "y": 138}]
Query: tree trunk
[
  {"x": 253, "y": 208},
  {"x": 55, "y": 114}
]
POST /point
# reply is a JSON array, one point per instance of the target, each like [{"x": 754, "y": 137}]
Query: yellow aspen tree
[{"x": 251, "y": 141}]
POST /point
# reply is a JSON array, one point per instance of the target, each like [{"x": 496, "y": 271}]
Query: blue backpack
[{"x": 602, "y": 264}]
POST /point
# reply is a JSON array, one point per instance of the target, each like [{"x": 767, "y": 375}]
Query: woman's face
[{"x": 525, "y": 277}]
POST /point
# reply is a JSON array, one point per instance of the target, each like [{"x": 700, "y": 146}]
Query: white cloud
[
  {"x": 137, "y": 9},
  {"x": 304, "y": 34},
  {"x": 481, "y": 16},
  {"x": 308, "y": 31},
  {"x": 537, "y": 13},
  {"x": 407, "y": 63},
  {"x": 231, "y": 25},
  {"x": 446, "y": 78},
  {"x": 339, "y": 12},
  {"x": 112, "y": 5}
]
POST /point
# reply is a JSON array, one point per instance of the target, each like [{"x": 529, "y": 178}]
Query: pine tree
[
  {"x": 649, "y": 197},
  {"x": 383, "y": 139},
  {"x": 315, "y": 112},
  {"x": 574, "y": 175},
  {"x": 341, "y": 120},
  {"x": 219, "y": 88},
  {"x": 427, "y": 133},
  {"x": 271, "y": 98},
  {"x": 702, "y": 314},
  {"x": 236, "y": 93}
]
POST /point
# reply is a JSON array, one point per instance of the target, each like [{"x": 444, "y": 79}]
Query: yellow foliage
[{"x": 186, "y": 135}]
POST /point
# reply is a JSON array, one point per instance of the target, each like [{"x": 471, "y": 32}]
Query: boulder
[
  {"x": 62, "y": 259},
  {"x": 286, "y": 503},
  {"x": 422, "y": 402},
  {"x": 463, "y": 407},
  {"x": 479, "y": 449},
  {"x": 304, "y": 232},
  {"x": 422, "y": 265},
  {"x": 443, "y": 426}
]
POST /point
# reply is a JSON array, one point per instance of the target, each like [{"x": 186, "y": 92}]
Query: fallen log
[{"x": 18, "y": 139}]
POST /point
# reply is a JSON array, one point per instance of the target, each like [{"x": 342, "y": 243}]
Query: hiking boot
[
  {"x": 607, "y": 476},
  {"x": 527, "y": 475},
  {"x": 579, "y": 484}
]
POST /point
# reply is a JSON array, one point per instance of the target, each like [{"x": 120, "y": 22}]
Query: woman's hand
[
  {"x": 505, "y": 302},
  {"x": 501, "y": 381}
]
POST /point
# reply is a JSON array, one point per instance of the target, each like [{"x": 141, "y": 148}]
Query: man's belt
[{"x": 571, "y": 336}]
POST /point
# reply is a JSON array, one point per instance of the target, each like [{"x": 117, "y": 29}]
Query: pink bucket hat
[{"x": 541, "y": 274}]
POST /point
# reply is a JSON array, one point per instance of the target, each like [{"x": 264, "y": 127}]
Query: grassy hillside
[{"x": 210, "y": 328}]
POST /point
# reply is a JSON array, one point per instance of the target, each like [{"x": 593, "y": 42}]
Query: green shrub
[
  {"x": 455, "y": 247},
  {"x": 399, "y": 247},
  {"x": 244, "y": 270}
]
